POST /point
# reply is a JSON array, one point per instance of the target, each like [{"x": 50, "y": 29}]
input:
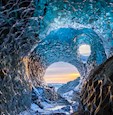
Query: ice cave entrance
[
  {"x": 84, "y": 51},
  {"x": 60, "y": 73}
]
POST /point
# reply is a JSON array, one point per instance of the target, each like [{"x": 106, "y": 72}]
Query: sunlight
[
  {"x": 85, "y": 50},
  {"x": 75, "y": 74},
  {"x": 61, "y": 72}
]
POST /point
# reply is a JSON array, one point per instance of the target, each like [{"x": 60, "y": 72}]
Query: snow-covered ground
[
  {"x": 49, "y": 109},
  {"x": 65, "y": 105}
]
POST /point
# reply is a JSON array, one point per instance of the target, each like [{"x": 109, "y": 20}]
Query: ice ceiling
[
  {"x": 67, "y": 24},
  {"x": 63, "y": 44}
]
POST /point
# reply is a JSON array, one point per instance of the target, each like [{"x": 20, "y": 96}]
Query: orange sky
[
  {"x": 61, "y": 72},
  {"x": 64, "y": 78}
]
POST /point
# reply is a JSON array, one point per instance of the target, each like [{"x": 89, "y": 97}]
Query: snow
[
  {"x": 63, "y": 105},
  {"x": 57, "y": 107},
  {"x": 77, "y": 88},
  {"x": 35, "y": 108},
  {"x": 68, "y": 96},
  {"x": 48, "y": 109}
]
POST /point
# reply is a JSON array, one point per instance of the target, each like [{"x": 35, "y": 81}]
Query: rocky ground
[{"x": 66, "y": 103}]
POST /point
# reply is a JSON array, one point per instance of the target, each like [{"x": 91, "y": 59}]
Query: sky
[
  {"x": 85, "y": 50},
  {"x": 62, "y": 72}
]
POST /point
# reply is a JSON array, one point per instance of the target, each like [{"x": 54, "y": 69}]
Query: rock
[
  {"x": 50, "y": 93},
  {"x": 30, "y": 112},
  {"x": 69, "y": 91},
  {"x": 67, "y": 108},
  {"x": 44, "y": 93},
  {"x": 68, "y": 87},
  {"x": 37, "y": 93},
  {"x": 77, "y": 106},
  {"x": 97, "y": 92}
]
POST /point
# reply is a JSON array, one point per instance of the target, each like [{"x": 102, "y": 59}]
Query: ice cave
[{"x": 35, "y": 34}]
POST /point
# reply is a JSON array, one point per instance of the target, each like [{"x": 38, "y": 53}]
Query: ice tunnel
[
  {"x": 63, "y": 45},
  {"x": 37, "y": 33}
]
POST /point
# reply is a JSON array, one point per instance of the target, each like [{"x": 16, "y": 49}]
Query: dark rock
[
  {"x": 44, "y": 94},
  {"x": 50, "y": 93},
  {"x": 75, "y": 106},
  {"x": 38, "y": 93},
  {"x": 67, "y": 108},
  {"x": 97, "y": 92},
  {"x": 68, "y": 87}
]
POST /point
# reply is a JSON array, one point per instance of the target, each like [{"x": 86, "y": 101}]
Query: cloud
[
  {"x": 61, "y": 68},
  {"x": 61, "y": 78},
  {"x": 61, "y": 72}
]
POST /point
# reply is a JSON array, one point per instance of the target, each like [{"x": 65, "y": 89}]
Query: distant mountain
[
  {"x": 56, "y": 85},
  {"x": 69, "y": 86}
]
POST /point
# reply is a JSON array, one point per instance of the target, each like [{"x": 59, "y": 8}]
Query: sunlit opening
[
  {"x": 85, "y": 50},
  {"x": 61, "y": 72}
]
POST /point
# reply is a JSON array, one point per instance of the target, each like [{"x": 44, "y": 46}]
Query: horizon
[{"x": 61, "y": 72}]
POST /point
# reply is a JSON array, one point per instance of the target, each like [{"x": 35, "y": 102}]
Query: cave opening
[
  {"x": 60, "y": 73},
  {"x": 84, "y": 51}
]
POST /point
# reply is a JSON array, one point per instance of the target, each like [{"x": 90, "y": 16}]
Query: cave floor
[{"x": 61, "y": 106}]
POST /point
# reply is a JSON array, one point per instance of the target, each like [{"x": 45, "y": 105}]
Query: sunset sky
[{"x": 62, "y": 72}]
